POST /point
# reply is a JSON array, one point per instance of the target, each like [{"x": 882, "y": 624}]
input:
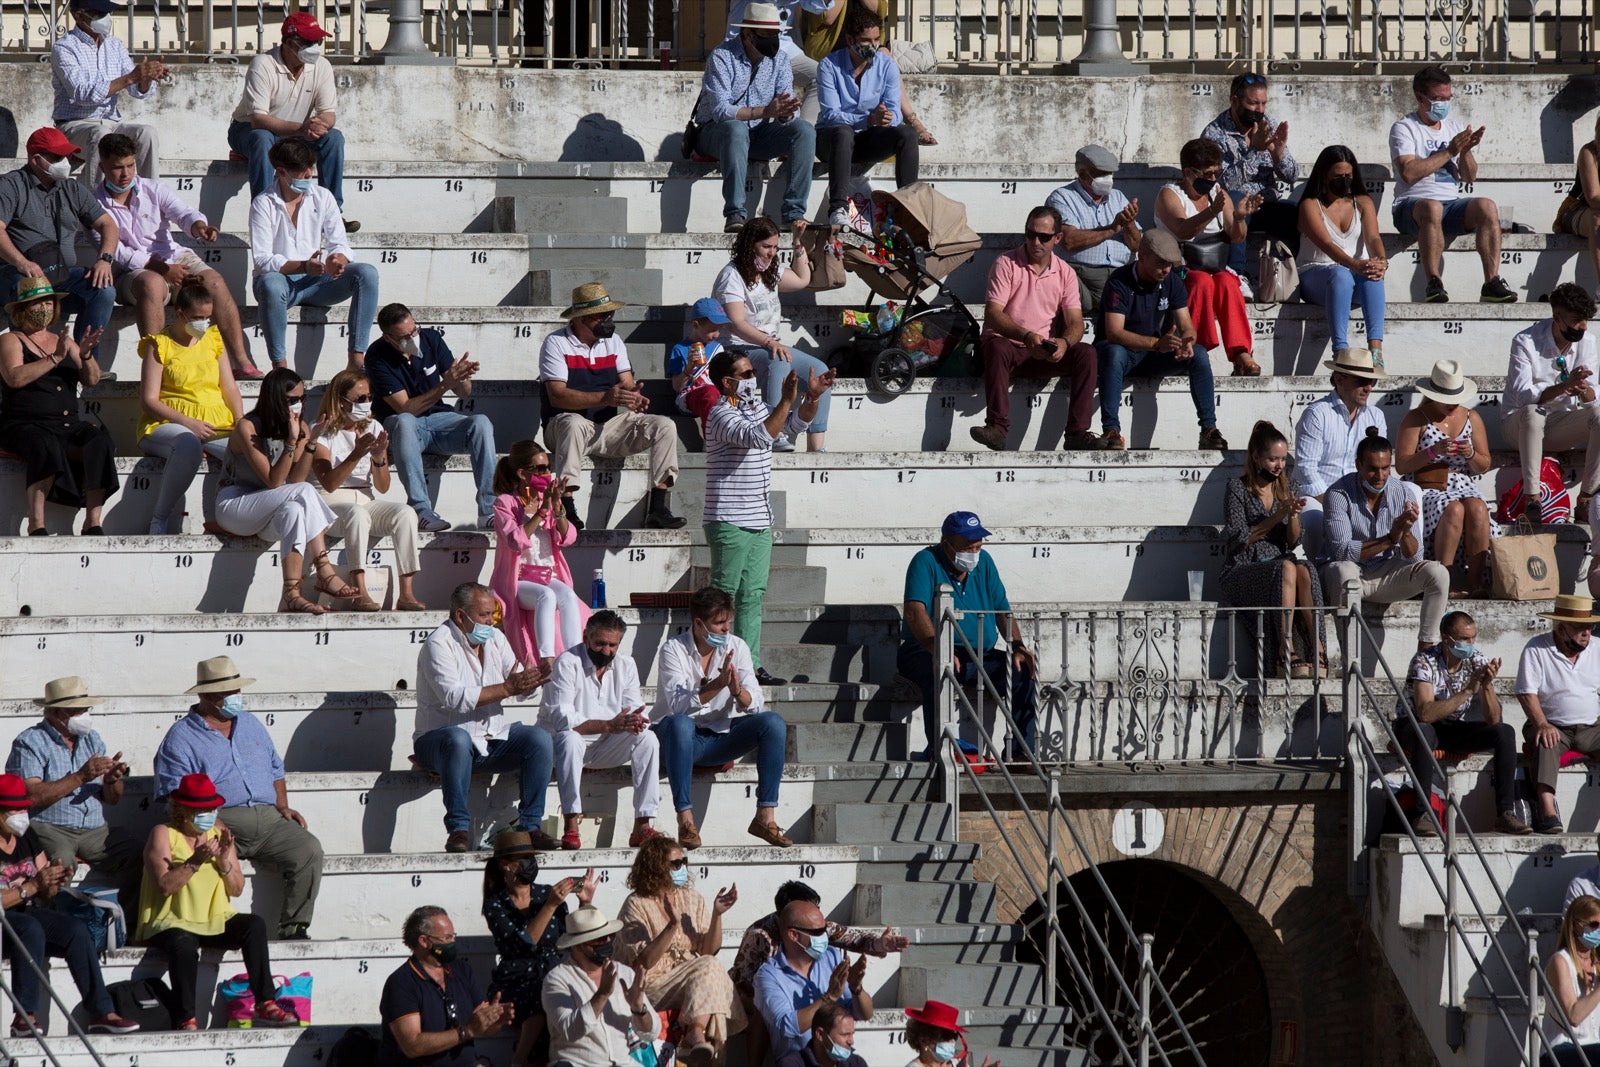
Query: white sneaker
[
  {"x": 783, "y": 443},
  {"x": 839, "y": 217}
]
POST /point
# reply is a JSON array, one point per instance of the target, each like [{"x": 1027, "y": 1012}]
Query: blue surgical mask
[
  {"x": 680, "y": 876},
  {"x": 303, "y": 185},
  {"x": 716, "y": 640},
  {"x": 817, "y": 945},
  {"x": 204, "y": 821},
  {"x": 838, "y": 1053},
  {"x": 480, "y": 634},
  {"x": 119, "y": 189},
  {"x": 1460, "y": 651},
  {"x": 944, "y": 1051},
  {"x": 1590, "y": 938},
  {"x": 1439, "y": 110},
  {"x": 232, "y": 705}
]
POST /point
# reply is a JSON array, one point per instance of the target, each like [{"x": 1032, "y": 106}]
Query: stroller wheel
[{"x": 892, "y": 371}]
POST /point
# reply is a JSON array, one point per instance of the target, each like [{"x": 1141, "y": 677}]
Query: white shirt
[
  {"x": 580, "y": 1035},
  {"x": 1410, "y": 137},
  {"x": 340, "y": 443},
  {"x": 573, "y": 695},
  {"x": 679, "y": 677},
  {"x": 1586, "y": 884},
  {"x": 1533, "y": 368},
  {"x": 449, "y": 679},
  {"x": 274, "y": 240},
  {"x": 1588, "y": 1031},
  {"x": 1566, "y": 690},
  {"x": 1325, "y": 443},
  {"x": 760, "y": 303}
]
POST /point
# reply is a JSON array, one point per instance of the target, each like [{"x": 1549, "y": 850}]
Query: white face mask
[
  {"x": 310, "y": 53},
  {"x": 80, "y": 725},
  {"x": 749, "y": 388},
  {"x": 101, "y": 27},
  {"x": 362, "y": 410},
  {"x": 60, "y": 170},
  {"x": 197, "y": 327},
  {"x": 295, "y": 407},
  {"x": 965, "y": 561},
  {"x": 410, "y": 346},
  {"x": 17, "y": 822},
  {"x": 1101, "y": 185}
]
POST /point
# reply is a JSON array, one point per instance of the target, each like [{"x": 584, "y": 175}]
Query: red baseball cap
[
  {"x": 303, "y": 24},
  {"x": 49, "y": 139}
]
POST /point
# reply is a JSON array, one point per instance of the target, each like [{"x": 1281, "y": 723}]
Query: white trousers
[
  {"x": 295, "y": 512},
  {"x": 575, "y": 751},
  {"x": 545, "y": 601},
  {"x": 359, "y": 517}
]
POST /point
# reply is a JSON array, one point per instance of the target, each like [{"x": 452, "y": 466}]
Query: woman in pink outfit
[{"x": 541, "y": 613}]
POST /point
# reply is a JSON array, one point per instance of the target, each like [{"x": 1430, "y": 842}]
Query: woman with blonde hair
[
  {"x": 1574, "y": 976},
  {"x": 352, "y": 466},
  {"x": 1259, "y": 567},
  {"x": 671, "y": 938}
]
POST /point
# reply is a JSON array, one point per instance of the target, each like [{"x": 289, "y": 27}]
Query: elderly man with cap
[
  {"x": 1549, "y": 404},
  {"x": 1327, "y": 433},
  {"x": 221, "y": 739},
  {"x": 70, "y": 779},
  {"x": 1099, "y": 224},
  {"x": 1148, "y": 330},
  {"x": 960, "y": 561},
  {"x": 289, "y": 92},
  {"x": 42, "y": 214},
  {"x": 1033, "y": 328},
  {"x": 433, "y": 1010},
  {"x": 595, "y": 1007},
  {"x": 1558, "y": 679},
  {"x": 748, "y": 110},
  {"x": 89, "y": 68},
  {"x": 593, "y": 407}
]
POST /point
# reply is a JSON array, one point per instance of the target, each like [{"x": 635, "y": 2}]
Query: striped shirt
[
  {"x": 81, "y": 72},
  {"x": 739, "y": 463},
  {"x": 41, "y": 752}
]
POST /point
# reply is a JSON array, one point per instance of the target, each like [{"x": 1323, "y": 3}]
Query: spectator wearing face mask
[
  {"x": 597, "y": 1008},
  {"x": 1099, "y": 224},
  {"x": 89, "y": 69},
  {"x": 937, "y": 1038},
  {"x": 833, "y": 1041},
  {"x": 1549, "y": 403},
  {"x": 220, "y": 739},
  {"x": 958, "y": 560},
  {"x": 805, "y": 975},
  {"x": 412, "y": 370},
  {"x": 432, "y": 1012},
  {"x": 860, "y": 121},
  {"x": 541, "y": 612},
  {"x": 1255, "y": 158}
]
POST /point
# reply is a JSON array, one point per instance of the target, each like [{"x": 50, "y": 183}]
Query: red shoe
[
  {"x": 641, "y": 835},
  {"x": 271, "y": 1013},
  {"x": 249, "y": 373},
  {"x": 570, "y": 841},
  {"x": 189, "y": 1025}
]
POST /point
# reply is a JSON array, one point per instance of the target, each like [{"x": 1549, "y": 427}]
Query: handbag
[
  {"x": 1277, "y": 274},
  {"x": 1524, "y": 565},
  {"x": 147, "y": 1001},
  {"x": 1433, "y": 476},
  {"x": 239, "y": 1003},
  {"x": 1569, "y": 203},
  {"x": 1208, "y": 252},
  {"x": 826, "y": 256},
  {"x": 1556, "y": 506}
]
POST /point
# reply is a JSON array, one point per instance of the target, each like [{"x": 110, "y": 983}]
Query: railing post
[
  {"x": 1145, "y": 941},
  {"x": 949, "y": 727},
  {"x": 1356, "y": 767},
  {"x": 1050, "y": 886},
  {"x": 1535, "y": 1002},
  {"x": 1452, "y": 880},
  {"x": 1102, "y": 45},
  {"x": 405, "y": 44}
]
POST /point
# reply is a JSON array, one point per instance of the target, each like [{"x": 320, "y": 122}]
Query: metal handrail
[{"x": 16, "y": 945}]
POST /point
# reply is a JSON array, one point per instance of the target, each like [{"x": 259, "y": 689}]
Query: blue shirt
[
  {"x": 732, "y": 83},
  {"x": 1077, "y": 209},
  {"x": 41, "y": 752},
  {"x": 392, "y": 371},
  {"x": 981, "y": 591},
  {"x": 1347, "y": 522},
  {"x": 81, "y": 73},
  {"x": 1325, "y": 441},
  {"x": 846, "y": 101},
  {"x": 781, "y": 992},
  {"x": 678, "y": 358},
  {"x": 245, "y": 768}
]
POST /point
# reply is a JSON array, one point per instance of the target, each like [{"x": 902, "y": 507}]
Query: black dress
[
  {"x": 1252, "y": 573},
  {"x": 521, "y": 965},
  {"x": 39, "y": 423}
]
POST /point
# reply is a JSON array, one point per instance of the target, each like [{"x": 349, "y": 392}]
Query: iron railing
[{"x": 13, "y": 945}]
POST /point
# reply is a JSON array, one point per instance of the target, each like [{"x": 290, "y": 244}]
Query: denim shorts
[{"x": 1455, "y": 217}]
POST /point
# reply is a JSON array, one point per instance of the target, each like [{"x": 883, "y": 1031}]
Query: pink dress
[{"x": 510, "y": 542}]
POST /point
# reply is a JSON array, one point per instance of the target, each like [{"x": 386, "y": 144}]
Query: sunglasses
[
  {"x": 680, "y": 863},
  {"x": 542, "y": 468},
  {"x": 1030, "y": 235},
  {"x": 1561, "y": 368},
  {"x": 1253, "y": 79},
  {"x": 359, "y": 399},
  {"x": 746, "y": 375},
  {"x": 818, "y": 932}
]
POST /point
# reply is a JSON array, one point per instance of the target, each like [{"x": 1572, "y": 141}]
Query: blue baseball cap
[
  {"x": 964, "y": 524},
  {"x": 707, "y": 308}
]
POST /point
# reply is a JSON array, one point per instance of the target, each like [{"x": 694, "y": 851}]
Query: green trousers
[
  {"x": 740, "y": 560},
  {"x": 267, "y": 839}
]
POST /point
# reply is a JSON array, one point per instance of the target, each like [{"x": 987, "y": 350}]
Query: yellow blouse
[
  {"x": 200, "y": 907},
  {"x": 191, "y": 380}
]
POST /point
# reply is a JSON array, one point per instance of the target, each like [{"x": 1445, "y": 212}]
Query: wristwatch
[
  {"x": 461, "y": 1033},
  {"x": 105, "y": 257}
]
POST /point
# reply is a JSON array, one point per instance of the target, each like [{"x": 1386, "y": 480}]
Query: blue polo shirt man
[
  {"x": 959, "y": 561},
  {"x": 411, "y": 371}
]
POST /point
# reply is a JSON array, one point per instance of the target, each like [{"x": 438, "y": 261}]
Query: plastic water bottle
[{"x": 597, "y": 590}]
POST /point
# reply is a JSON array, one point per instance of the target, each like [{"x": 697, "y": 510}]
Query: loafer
[
  {"x": 641, "y": 835},
  {"x": 770, "y": 834},
  {"x": 113, "y": 1024},
  {"x": 1081, "y": 441},
  {"x": 689, "y": 838},
  {"x": 571, "y": 841},
  {"x": 543, "y": 841},
  {"x": 1548, "y": 824},
  {"x": 351, "y": 225},
  {"x": 1508, "y": 823},
  {"x": 991, "y": 437},
  {"x": 1423, "y": 825},
  {"x": 767, "y": 679},
  {"x": 1114, "y": 441},
  {"x": 458, "y": 841},
  {"x": 1212, "y": 439}
]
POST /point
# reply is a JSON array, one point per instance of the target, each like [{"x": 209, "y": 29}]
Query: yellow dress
[
  {"x": 200, "y": 907},
  {"x": 191, "y": 380}
]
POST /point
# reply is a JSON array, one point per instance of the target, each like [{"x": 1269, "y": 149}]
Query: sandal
[
  {"x": 365, "y": 603},
  {"x": 271, "y": 1013},
  {"x": 189, "y": 1025},
  {"x": 321, "y": 585},
  {"x": 294, "y": 603}
]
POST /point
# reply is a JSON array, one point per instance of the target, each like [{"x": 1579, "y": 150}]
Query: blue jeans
[
  {"x": 92, "y": 305},
  {"x": 254, "y": 144},
  {"x": 442, "y": 433},
  {"x": 915, "y": 663},
  {"x": 1336, "y": 287},
  {"x": 735, "y": 144},
  {"x": 448, "y": 752},
  {"x": 277, "y": 293},
  {"x": 45, "y": 932},
  {"x": 1117, "y": 363},
  {"x": 774, "y": 371},
  {"x": 685, "y": 746}
]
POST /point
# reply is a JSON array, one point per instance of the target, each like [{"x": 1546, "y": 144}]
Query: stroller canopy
[{"x": 933, "y": 223}]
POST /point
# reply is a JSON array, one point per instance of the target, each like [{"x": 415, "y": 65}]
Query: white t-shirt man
[
  {"x": 1411, "y": 137},
  {"x": 1569, "y": 693}
]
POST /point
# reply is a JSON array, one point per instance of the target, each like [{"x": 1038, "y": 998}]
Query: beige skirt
[{"x": 700, "y": 987}]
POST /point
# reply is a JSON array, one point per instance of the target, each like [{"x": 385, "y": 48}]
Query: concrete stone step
[
  {"x": 1533, "y": 871},
  {"x": 935, "y": 902},
  {"x": 976, "y": 983},
  {"x": 854, "y": 822},
  {"x": 958, "y": 946}
]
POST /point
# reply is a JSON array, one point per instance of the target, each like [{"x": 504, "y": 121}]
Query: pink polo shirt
[{"x": 1031, "y": 299}]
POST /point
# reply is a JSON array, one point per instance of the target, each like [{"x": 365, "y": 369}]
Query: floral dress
[
  {"x": 1460, "y": 484},
  {"x": 1252, "y": 573},
  {"x": 521, "y": 964}
]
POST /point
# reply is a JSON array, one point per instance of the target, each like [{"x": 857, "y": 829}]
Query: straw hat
[
  {"x": 1448, "y": 385},
  {"x": 591, "y": 298},
  {"x": 1570, "y": 608},
  {"x": 513, "y": 843},
  {"x": 760, "y": 17},
  {"x": 217, "y": 675},
  {"x": 68, "y": 692},
  {"x": 1356, "y": 362},
  {"x": 587, "y": 924},
  {"x": 32, "y": 290}
]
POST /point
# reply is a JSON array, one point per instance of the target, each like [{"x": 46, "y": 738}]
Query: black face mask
[
  {"x": 1203, "y": 186},
  {"x": 527, "y": 871},
  {"x": 1248, "y": 119},
  {"x": 600, "y": 659},
  {"x": 605, "y": 328},
  {"x": 446, "y": 953},
  {"x": 602, "y": 952},
  {"x": 1572, "y": 333},
  {"x": 767, "y": 46},
  {"x": 1341, "y": 185}
]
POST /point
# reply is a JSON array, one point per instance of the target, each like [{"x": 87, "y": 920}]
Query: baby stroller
[{"x": 918, "y": 237}]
